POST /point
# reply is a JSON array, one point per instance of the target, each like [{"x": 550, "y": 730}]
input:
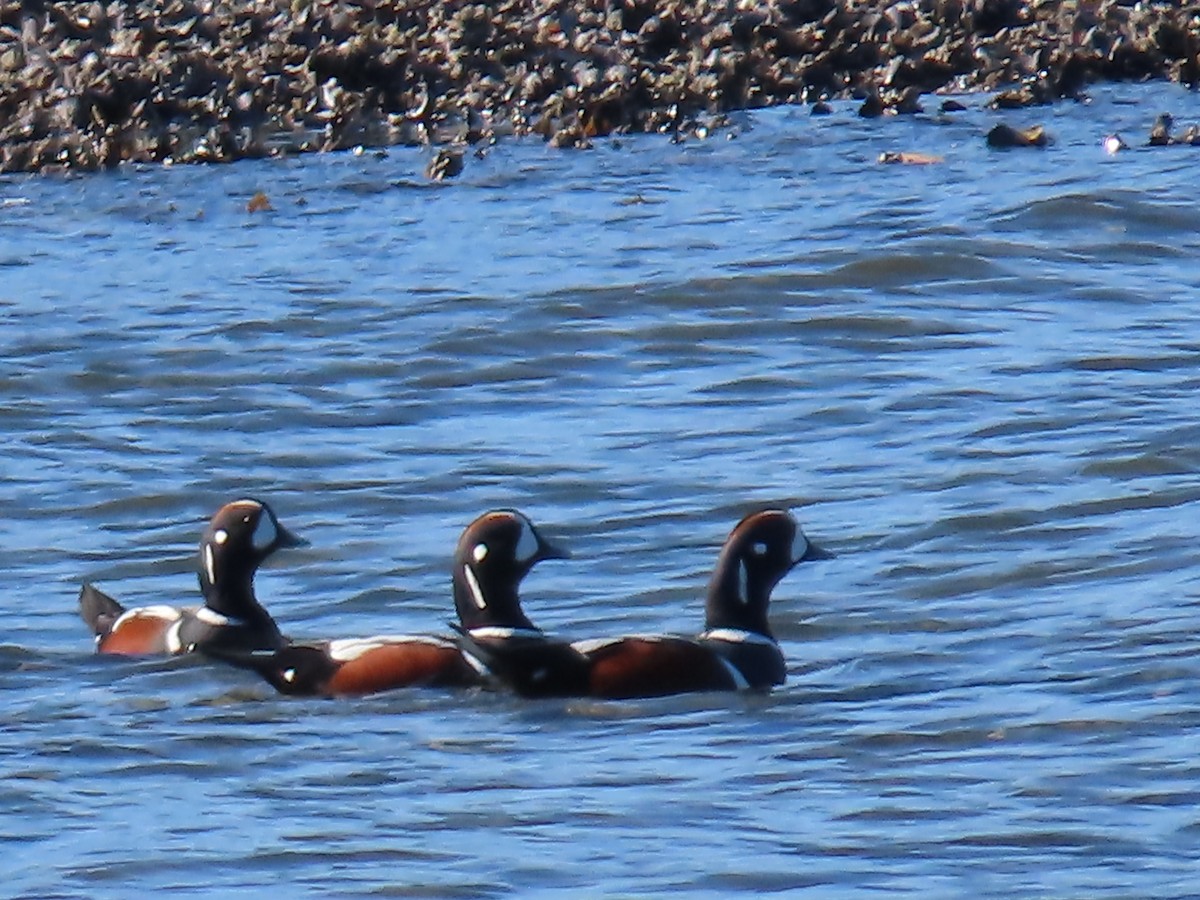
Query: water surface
[{"x": 974, "y": 381}]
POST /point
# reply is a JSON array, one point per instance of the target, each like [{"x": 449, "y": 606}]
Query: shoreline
[{"x": 87, "y": 86}]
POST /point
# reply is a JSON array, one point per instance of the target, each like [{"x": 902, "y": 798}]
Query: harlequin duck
[
  {"x": 356, "y": 666},
  {"x": 736, "y": 650},
  {"x": 495, "y": 552},
  {"x": 237, "y": 540}
]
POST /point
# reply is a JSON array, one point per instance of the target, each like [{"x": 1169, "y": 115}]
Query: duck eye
[{"x": 480, "y": 552}]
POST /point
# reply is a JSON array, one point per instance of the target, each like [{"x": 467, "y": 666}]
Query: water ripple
[{"x": 975, "y": 382}]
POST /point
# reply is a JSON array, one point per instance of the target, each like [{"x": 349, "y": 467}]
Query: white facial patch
[
  {"x": 527, "y": 544},
  {"x": 758, "y": 548},
  {"x": 289, "y": 675},
  {"x": 209, "y": 564},
  {"x": 265, "y": 533},
  {"x": 799, "y": 546},
  {"x": 473, "y": 586},
  {"x": 480, "y": 552},
  {"x": 220, "y": 536}
]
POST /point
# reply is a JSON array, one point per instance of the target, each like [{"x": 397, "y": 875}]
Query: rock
[
  {"x": 93, "y": 83},
  {"x": 446, "y": 163},
  {"x": 1005, "y": 136},
  {"x": 1160, "y": 131},
  {"x": 872, "y": 107},
  {"x": 909, "y": 102},
  {"x": 1190, "y": 136},
  {"x": 909, "y": 159}
]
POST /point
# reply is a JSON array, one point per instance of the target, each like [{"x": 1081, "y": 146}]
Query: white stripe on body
[
  {"x": 347, "y": 649},
  {"x": 500, "y": 631},
  {"x": 737, "y": 636},
  {"x": 739, "y": 680},
  {"x": 591, "y": 645}
]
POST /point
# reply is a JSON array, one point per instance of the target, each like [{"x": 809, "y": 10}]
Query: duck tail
[{"x": 98, "y": 610}]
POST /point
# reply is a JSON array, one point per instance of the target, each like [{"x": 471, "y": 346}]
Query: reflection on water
[{"x": 974, "y": 381}]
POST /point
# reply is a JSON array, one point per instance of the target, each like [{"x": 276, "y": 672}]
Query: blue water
[{"x": 975, "y": 381}]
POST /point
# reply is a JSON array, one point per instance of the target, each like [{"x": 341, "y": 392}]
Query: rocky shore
[{"x": 90, "y": 85}]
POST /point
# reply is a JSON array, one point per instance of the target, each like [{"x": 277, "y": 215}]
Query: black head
[
  {"x": 299, "y": 669},
  {"x": 494, "y": 553},
  {"x": 760, "y": 550},
  {"x": 237, "y": 540}
]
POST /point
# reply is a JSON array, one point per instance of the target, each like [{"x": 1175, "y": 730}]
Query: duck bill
[
  {"x": 285, "y": 539},
  {"x": 548, "y": 550},
  {"x": 816, "y": 552}
]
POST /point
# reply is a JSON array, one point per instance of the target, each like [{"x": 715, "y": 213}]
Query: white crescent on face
[
  {"x": 527, "y": 543},
  {"x": 265, "y": 532},
  {"x": 799, "y": 545}
]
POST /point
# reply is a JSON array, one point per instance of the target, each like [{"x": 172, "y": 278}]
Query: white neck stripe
[
  {"x": 736, "y": 636},
  {"x": 210, "y": 616},
  {"x": 501, "y": 631}
]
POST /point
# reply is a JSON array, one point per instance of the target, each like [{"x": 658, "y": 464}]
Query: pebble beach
[{"x": 88, "y": 86}]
